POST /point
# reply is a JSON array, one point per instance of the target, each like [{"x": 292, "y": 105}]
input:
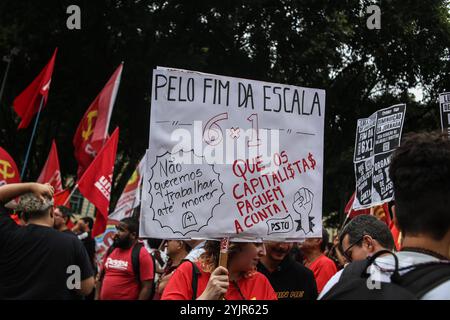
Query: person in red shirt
[
  {"x": 322, "y": 267},
  {"x": 177, "y": 250},
  {"x": 117, "y": 279},
  {"x": 239, "y": 281}
]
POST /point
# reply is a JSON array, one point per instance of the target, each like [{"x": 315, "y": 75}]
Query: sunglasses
[{"x": 348, "y": 253}]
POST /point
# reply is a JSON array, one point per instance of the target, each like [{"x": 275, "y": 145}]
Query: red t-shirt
[
  {"x": 179, "y": 287},
  {"x": 323, "y": 269},
  {"x": 119, "y": 282}
]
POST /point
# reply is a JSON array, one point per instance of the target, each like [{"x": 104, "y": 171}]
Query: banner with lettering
[
  {"x": 231, "y": 157},
  {"x": 376, "y": 139}
]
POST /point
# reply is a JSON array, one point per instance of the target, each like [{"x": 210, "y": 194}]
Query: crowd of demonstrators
[
  {"x": 176, "y": 250},
  {"x": 361, "y": 238},
  {"x": 205, "y": 280},
  {"x": 128, "y": 271},
  {"x": 290, "y": 279},
  {"x": 36, "y": 259},
  {"x": 37, "y": 249},
  {"x": 314, "y": 258}
]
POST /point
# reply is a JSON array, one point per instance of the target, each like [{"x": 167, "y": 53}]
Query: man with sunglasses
[{"x": 362, "y": 237}]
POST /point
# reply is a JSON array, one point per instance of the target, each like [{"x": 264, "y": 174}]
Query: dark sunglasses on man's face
[{"x": 348, "y": 253}]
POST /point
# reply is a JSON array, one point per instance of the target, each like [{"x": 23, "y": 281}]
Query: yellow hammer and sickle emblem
[
  {"x": 4, "y": 165},
  {"x": 133, "y": 178},
  {"x": 89, "y": 131}
]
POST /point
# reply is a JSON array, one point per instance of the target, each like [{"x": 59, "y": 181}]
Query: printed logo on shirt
[
  {"x": 116, "y": 264},
  {"x": 290, "y": 294}
]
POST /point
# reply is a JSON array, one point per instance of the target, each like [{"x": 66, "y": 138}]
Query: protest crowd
[
  {"x": 393, "y": 249},
  {"x": 36, "y": 251}
]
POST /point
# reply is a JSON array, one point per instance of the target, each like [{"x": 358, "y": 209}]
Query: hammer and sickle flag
[
  {"x": 8, "y": 169},
  {"x": 92, "y": 132}
]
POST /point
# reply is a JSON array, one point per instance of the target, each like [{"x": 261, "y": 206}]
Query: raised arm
[{"x": 10, "y": 191}]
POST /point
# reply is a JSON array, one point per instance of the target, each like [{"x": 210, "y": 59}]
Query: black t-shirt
[
  {"x": 35, "y": 261},
  {"x": 89, "y": 245},
  {"x": 291, "y": 280}
]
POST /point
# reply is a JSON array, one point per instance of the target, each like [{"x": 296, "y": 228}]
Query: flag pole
[
  {"x": 71, "y": 194},
  {"x": 5, "y": 77},
  {"x": 31, "y": 139},
  {"x": 223, "y": 257},
  {"x": 8, "y": 59}
]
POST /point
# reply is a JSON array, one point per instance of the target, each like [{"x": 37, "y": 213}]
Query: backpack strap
[
  {"x": 425, "y": 277},
  {"x": 395, "y": 273},
  {"x": 355, "y": 269},
  {"x": 107, "y": 253},
  {"x": 154, "y": 275},
  {"x": 358, "y": 269},
  {"x": 195, "y": 273},
  {"x": 135, "y": 261}
]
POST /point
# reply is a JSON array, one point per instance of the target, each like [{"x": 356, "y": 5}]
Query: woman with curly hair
[{"x": 204, "y": 280}]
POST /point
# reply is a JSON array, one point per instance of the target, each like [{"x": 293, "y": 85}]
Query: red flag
[
  {"x": 396, "y": 234},
  {"x": 380, "y": 211},
  {"x": 92, "y": 131},
  {"x": 8, "y": 169},
  {"x": 95, "y": 184},
  {"x": 351, "y": 213},
  {"x": 70, "y": 224},
  {"x": 27, "y": 103},
  {"x": 16, "y": 219},
  {"x": 60, "y": 198},
  {"x": 51, "y": 173}
]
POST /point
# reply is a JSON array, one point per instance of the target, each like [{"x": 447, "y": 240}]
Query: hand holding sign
[{"x": 217, "y": 285}]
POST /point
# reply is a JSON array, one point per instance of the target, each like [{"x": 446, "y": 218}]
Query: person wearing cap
[{"x": 37, "y": 261}]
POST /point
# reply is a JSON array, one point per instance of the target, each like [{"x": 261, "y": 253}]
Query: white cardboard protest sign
[{"x": 231, "y": 157}]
